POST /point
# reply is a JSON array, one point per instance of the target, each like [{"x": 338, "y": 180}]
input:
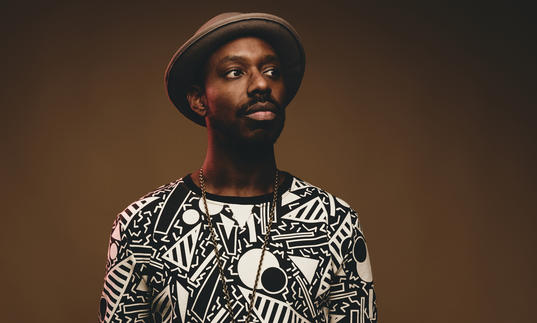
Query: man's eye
[
  {"x": 273, "y": 72},
  {"x": 234, "y": 73}
]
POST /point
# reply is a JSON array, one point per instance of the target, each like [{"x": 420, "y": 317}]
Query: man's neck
[{"x": 239, "y": 171}]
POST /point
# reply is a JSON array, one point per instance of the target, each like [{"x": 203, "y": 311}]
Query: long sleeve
[
  {"x": 126, "y": 296},
  {"x": 351, "y": 297}
]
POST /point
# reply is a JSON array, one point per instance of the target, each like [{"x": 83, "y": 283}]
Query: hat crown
[{"x": 218, "y": 18}]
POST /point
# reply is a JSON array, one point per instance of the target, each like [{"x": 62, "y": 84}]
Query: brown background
[{"x": 421, "y": 117}]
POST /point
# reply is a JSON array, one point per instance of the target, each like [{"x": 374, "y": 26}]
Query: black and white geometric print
[{"x": 161, "y": 265}]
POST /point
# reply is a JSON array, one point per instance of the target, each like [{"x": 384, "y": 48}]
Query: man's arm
[
  {"x": 126, "y": 295},
  {"x": 352, "y": 297}
]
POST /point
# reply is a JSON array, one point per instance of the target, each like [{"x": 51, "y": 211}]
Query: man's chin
[
  {"x": 264, "y": 133},
  {"x": 249, "y": 134},
  {"x": 261, "y": 137}
]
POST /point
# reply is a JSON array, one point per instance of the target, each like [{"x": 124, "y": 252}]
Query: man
[{"x": 238, "y": 240}]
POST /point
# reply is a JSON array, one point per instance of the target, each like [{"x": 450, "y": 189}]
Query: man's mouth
[
  {"x": 262, "y": 115},
  {"x": 261, "y": 111}
]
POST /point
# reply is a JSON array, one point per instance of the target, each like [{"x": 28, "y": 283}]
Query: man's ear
[{"x": 197, "y": 100}]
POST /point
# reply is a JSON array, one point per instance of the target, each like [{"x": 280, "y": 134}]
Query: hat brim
[{"x": 187, "y": 63}]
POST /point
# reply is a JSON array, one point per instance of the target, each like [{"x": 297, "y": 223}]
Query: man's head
[
  {"x": 272, "y": 41},
  {"x": 242, "y": 95}
]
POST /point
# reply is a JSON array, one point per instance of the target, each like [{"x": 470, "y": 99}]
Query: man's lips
[
  {"x": 262, "y": 115},
  {"x": 262, "y": 111}
]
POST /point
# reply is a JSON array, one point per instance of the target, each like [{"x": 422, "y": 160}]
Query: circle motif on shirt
[
  {"x": 249, "y": 262},
  {"x": 112, "y": 251},
  {"x": 273, "y": 280},
  {"x": 360, "y": 251},
  {"x": 361, "y": 256},
  {"x": 191, "y": 216}
]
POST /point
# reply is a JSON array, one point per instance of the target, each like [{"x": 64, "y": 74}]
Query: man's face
[{"x": 244, "y": 92}]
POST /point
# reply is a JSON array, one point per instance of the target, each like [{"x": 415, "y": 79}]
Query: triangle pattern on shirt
[
  {"x": 241, "y": 213},
  {"x": 296, "y": 185},
  {"x": 182, "y": 297},
  {"x": 265, "y": 306},
  {"x": 340, "y": 272},
  {"x": 311, "y": 212},
  {"x": 228, "y": 224},
  {"x": 306, "y": 265},
  {"x": 325, "y": 282},
  {"x": 187, "y": 246},
  {"x": 142, "y": 285},
  {"x": 289, "y": 197}
]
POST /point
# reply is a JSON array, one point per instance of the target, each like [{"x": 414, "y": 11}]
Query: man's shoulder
[
  {"x": 149, "y": 204},
  {"x": 305, "y": 189},
  {"x": 164, "y": 190}
]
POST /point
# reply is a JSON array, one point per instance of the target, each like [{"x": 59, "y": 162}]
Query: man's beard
[{"x": 263, "y": 133}]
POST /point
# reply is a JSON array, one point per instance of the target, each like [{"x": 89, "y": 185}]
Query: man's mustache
[{"x": 259, "y": 99}]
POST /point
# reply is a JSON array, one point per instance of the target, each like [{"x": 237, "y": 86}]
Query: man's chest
[{"x": 293, "y": 279}]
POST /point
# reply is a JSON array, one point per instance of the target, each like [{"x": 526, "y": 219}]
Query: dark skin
[{"x": 243, "y": 103}]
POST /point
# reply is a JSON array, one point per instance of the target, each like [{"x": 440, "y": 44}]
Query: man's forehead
[{"x": 244, "y": 48}]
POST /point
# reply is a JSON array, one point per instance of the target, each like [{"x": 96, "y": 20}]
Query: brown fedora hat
[{"x": 186, "y": 64}]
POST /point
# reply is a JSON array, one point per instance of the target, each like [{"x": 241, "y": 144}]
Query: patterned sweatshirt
[{"x": 161, "y": 265}]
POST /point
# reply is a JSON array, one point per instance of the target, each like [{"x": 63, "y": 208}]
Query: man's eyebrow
[
  {"x": 234, "y": 58},
  {"x": 239, "y": 59},
  {"x": 271, "y": 59}
]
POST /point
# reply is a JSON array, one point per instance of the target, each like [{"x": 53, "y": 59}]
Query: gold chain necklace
[{"x": 218, "y": 260}]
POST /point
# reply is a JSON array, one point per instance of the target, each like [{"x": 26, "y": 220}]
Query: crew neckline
[{"x": 284, "y": 186}]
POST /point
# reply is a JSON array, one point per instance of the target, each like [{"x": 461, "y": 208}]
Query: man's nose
[{"x": 258, "y": 83}]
